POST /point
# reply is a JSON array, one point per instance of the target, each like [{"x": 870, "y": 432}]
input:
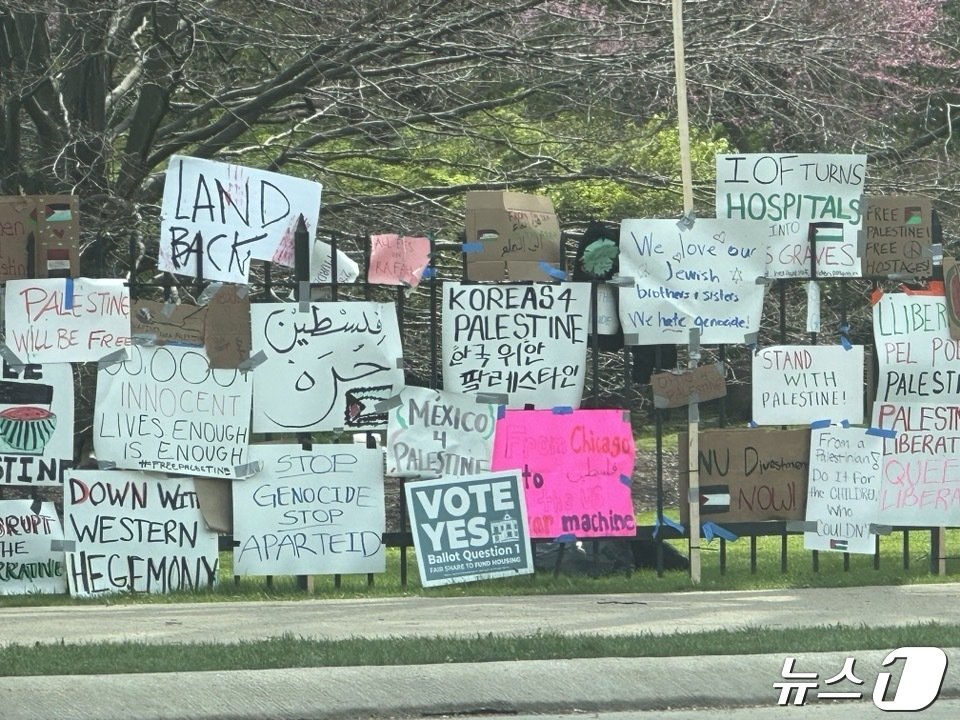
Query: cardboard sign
[
  {"x": 802, "y": 384},
  {"x": 747, "y": 474},
  {"x": 226, "y": 334},
  {"x": 321, "y": 265},
  {"x": 51, "y": 224},
  {"x": 159, "y": 323},
  {"x": 469, "y": 528},
  {"x": 679, "y": 389},
  {"x": 516, "y": 344},
  {"x": 509, "y": 235},
  {"x": 28, "y": 561},
  {"x": 36, "y": 424},
  {"x": 58, "y": 321},
  {"x": 310, "y": 512},
  {"x": 396, "y": 260},
  {"x": 576, "y": 469},
  {"x": 898, "y": 230},
  {"x": 135, "y": 532},
  {"x": 702, "y": 277},
  {"x": 788, "y": 193}
]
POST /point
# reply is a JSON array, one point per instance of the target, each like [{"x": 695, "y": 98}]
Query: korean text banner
[
  {"x": 28, "y": 561},
  {"x": 516, "y": 344},
  {"x": 325, "y": 366},
  {"x": 576, "y": 469},
  {"x": 66, "y": 320},
  {"x": 702, "y": 277},
  {"x": 310, "y": 512},
  {"x": 218, "y": 217}
]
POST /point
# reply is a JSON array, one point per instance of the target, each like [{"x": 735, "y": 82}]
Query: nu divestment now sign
[{"x": 469, "y": 528}]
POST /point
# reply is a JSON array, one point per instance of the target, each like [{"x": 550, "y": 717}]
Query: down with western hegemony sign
[{"x": 31, "y": 552}]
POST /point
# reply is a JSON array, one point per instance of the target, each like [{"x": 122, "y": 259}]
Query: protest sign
[
  {"x": 160, "y": 323},
  {"x": 396, "y": 260},
  {"x": 68, "y": 320},
  {"x": 135, "y": 532},
  {"x": 310, "y": 512},
  {"x": 788, "y": 193},
  {"x": 221, "y": 216},
  {"x": 516, "y": 344},
  {"x": 801, "y": 384},
  {"x": 951, "y": 284},
  {"x": 325, "y": 366},
  {"x": 431, "y": 432},
  {"x": 696, "y": 385},
  {"x": 31, "y": 552},
  {"x": 576, "y": 468},
  {"x": 703, "y": 276},
  {"x": 510, "y": 236},
  {"x": 321, "y": 265},
  {"x": 844, "y": 489},
  {"x": 165, "y": 409},
  {"x": 36, "y": 424},
  {"x": 918, "y": 403},
  {"x": 226, "y": 335},
  {"x": 747, "y": 474},
  {"x": 469, "y": 528},
  {"x": 898, "y": 232},
  {"x": 44, "y": 226}
]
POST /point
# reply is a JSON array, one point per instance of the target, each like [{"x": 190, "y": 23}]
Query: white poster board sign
[
  {"x": 310, "y": 512},
  {"x": 325, "y": 365},
  {"x": 843, "y": 490},
  {"x": 516, "y": 344},
  {"x": 702, "y": 277},
  {"x": 790, "y": 191},
  {"x": 63, "y": 320},
  {"x": 321, "y": 265},
  {"x": 31, "y": 553},
  {"x": 135, "y": 532},
  {"x": 226, "y": 215},
  {"x": 166, "y": 410}
]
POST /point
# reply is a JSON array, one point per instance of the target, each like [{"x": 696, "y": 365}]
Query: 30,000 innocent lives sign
[
  {"x": 135, "y": 532},
  {"x": 516, "y": 344},
  {"x": 30, "y": 561},
  {"x": 469, "y": 528},
  {"x": 703, "y": 277},
  {"x": 310, "y": 512}
]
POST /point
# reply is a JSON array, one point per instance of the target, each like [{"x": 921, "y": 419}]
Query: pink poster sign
[
  {"x": 396, "y": 260},
  {"x": 576, "y": 467}
]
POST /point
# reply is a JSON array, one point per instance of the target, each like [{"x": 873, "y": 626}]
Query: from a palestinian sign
[{"x": 31, "y": 552}]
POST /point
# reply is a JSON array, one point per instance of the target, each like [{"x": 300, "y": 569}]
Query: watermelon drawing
[{"x": 26, "y": 428}]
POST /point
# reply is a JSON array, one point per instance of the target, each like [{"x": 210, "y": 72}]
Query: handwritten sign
[
  {"x": 844, "y": 490},
  {"x": 28, "y": 564},
  {"x": 576, "y": 469},
  {"x": 747, "y": 474},
  {"x": 321, "y": 265},
  {"x": 520, "y": 344},
  {"x": 135, "y": 532},
  {"x": 436, "y": 432},
  {"x": 48, "y": 223},
  {"x": 160, "y": 323},
  {"x": 788, "y": 192},
  {"x": 326, "y": 367},
  {"x": 898, "y": 231},
  {"x": 679, "y": 389},
  {"x": 396, "y": 260},
  {"x": 918, "y": 399},
  {"x": 469, "y": 528},
  {"x": 229, "y": 215},
  {"x": 165, "y": 409},
  {"x": 310, "y": 512},
  {"x": 703, "y": 277},
  {"x": 69, "y": 320},
  {"x": 801, "y": 384},
  {"x": 36, "y": 424}
]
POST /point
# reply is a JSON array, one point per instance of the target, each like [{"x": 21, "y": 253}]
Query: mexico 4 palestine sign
[{"x": 469, "y": 528}]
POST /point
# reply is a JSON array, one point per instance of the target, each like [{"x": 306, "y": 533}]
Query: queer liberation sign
[
  {"x": 137, "y": 532},
  {"x": 326, "y": 366},
  {"x": 36, "y": 424},
  {"x": 396, "y": 260},
  {"x": 217, "y": 216},
  {"x": 918, "y": 401},
  {"x": 844, "y": 490},
  {"x": 310, "y": 512},
  {"x": 516, "y": 344},
  {"x": 802, "y": 384},
  {"x": 788, "y": 193},
  {"x": 431, "y": 432},
  {"x": 28, "y": 562},
  {"x": 576, "y": 469},
  {"x": 166, "y": 410},
  {"x": 702, "y": 277},
  {"x": 469, "y": 528},
  {"x": 66, "y": 320}
]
